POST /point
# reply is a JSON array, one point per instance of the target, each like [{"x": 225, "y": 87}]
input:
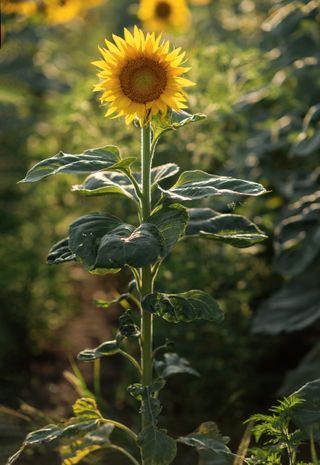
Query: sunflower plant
[{"x": 141, "y": 79}]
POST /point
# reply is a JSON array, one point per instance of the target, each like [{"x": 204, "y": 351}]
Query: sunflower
[
  {"x": 141, "y": 77},
  {"x": 159, "y": 15},
  {"x": 200, "y": 2},
  {"x": 25, "y": 8},
  {"x": 63, "y": 11}
]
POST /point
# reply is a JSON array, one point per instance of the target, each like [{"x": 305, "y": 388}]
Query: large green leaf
[
  {"x": 103, "y": 183},
  {"x": 294, "y": 307},
  {"x": 172, "y": 121},
  {"x": 157, "y": 448},
  {"x": 297, "y": 241},
  {"x": 211, "y": 445},
  {"x": 235, "y": 230},
  {"x": 193, "y": 185},
  {"x": 307, "y": 414},
  {"x": 89, "y": 161},
  {"x": 158, "y": 173},
  {"x": 60, "y": 253},
  {"x": 86, "y": 233},
  {"x": 104, "y": 349},
  {"x": 307, "y": 370},
  {"x": 171, "y": 221},
  {"x": 172, "y": 364},
  {"x": 129, "y": 246},
  {"x": 184, "y": 307}
]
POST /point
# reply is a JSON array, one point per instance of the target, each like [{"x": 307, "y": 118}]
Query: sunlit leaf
[
  {"x": 89, "y": 161},
  {"x": 173, "y": 120},
  {"x": 197, "y": 184},
  {"x": 235, "y": 230}
]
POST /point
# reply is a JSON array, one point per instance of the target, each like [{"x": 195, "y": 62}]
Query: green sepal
[
  {"x": 104, "y": 349},
  {"x": 184, "y": 307},
  {"x": 91, "y": 160},
  {"x": 235, "y": 230},
  {"x": 193, "y": 185},
  {"x": 172, "y": 121}
]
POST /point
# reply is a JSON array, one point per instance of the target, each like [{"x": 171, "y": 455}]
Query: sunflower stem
[{"x": 146, "y": 272}]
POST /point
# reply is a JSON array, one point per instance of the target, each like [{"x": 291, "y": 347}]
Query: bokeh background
[{"x": 256, "y": 65}]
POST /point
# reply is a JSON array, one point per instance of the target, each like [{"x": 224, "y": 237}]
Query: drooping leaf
[
  {"x": 73, "y": 453},
  {"x": 129, "y": 246},
  {"x": 172, "y": 365},
  {"x": 211, "y": 445},
  {"x": 171, "y": 221},
  {"x": 157, "y": 448},
  {"x": 103, "y": 183},
  {"x": 298, "y": 236},
  {"x": 294, "y": 307},
  {"x": 104, "y": 349},
  {"x": 173, "y": 120},
  {"x": 60, "y": 253},
  {"x": 184, "y": 307},
  {"x": 197, "y": 184},
  {"x": 235, "y": 230},
  {"x": 101, "y": 303},
  {"x": 89, "y": 161},
  {"x": 103, "y": 242}
]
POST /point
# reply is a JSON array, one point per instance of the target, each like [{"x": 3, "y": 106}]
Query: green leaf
[
  {"x": 193, "y": 185},
  {"x": 307, "y": 414},
  {"x": 307, "y": 370},
  {"x": 104, "y": 349},
  {"x": 184, "y": 307},
  {"x": 109, "y": 303},
  {"x": 103, "y": 242},
  {"x": 157, "y": 448},
  {"x": 73, "y": 453},
  {"x": 235, "y": 230},
  {"x": 172, "y": 121},
  {"x": 86, "y": 409},
  {"x": 129, "y": 246},
  {"x": 297, "y": 241},
  {"x": 210, "y": 444},
  {"x": 127, "y": 327},
  {"x": 52, "y": 433},
  {"x": 158, "y": 173},
  {"x": 172, "y": 365},
  {"x": 292, "y": 308},
  {"x": 60, "y": 253},
  {"x": 171, "y": 221},
  {"x": 89, "y": 161},
  {"x": 103, "y": 183}
]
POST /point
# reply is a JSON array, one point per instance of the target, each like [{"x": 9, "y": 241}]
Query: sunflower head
[
  {"x": 159, "y": 15},
  {"x": 140, "y": 76}
]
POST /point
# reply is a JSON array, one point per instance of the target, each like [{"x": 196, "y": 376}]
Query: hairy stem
[{"x": 146, "y": 272}]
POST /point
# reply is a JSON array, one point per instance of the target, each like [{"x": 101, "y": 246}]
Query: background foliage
[{"x": 256, "y": 65}]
